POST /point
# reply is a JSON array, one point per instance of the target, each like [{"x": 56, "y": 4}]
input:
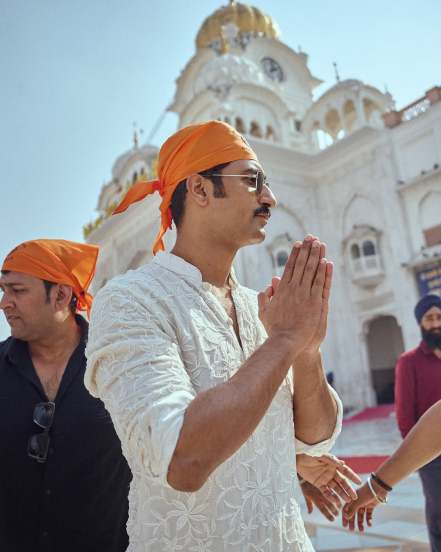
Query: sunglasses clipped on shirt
[
  {"x": 259, "y": 179},
  {"x": 38, "y": 444}
]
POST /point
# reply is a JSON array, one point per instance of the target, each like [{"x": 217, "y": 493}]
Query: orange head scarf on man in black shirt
[{"x": 58, "y": 261}]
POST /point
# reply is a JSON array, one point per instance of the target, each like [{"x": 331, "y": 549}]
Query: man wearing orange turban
[
  {"x": 195, "y": 369},
  {"x": 63, "y": 478}
]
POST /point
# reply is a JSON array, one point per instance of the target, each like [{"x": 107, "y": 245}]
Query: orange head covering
[
  {"x": 192, "y": 149},
  {"x": 58, "y": 261}
]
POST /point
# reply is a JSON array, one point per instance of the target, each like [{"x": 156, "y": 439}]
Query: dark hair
[
  {"x": 178, "y": 198},
  {"x": 73, "y": 302}
]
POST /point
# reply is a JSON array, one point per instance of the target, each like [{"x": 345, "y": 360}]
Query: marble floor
[{"x": 400, "y": 524}]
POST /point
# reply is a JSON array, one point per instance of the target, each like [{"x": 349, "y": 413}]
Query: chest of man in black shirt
[{"x": 63, "y": 479}]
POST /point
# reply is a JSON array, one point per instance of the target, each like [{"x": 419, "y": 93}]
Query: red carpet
[
  {"x": 371, "y": 414},
  {"x": 364, "y": 464},
  {"x": 368, "y": 464}
]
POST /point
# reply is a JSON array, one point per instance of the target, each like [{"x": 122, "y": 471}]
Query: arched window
[
  {"x": 270, "y": 133},
  {"x": 324, "y": 139},
  {"x": 281, "y": 258},
  {"x": 363, "y": 255},
  {"x": 369, "y": 248},
  {"x": 240, "y": 127},
  {"x": 134, "y": 177},
  {"x": 355, "y": 251},
  {"x": 227, "y": 120},
  {"x": 142, "y": 171},
  {"x": 255, "y": 130}
]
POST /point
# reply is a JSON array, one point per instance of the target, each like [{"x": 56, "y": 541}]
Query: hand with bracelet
[
  {"x": 370, "y": 495},
  {"x": 421, "y": 445}
]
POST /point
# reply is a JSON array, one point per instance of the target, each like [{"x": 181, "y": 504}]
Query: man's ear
[
  {"x": 63, "y": 295},
  {"x": 198, "y": 189}
]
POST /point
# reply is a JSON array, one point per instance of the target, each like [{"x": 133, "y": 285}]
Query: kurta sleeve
[
  {"x": 324, "y": 446},
  {"x": 134, "y": 366},
  {"x": 405, "y": 395}
]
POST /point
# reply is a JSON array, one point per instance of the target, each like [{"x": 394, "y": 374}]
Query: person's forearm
[
  {"x": 422, "y": 444},
  {"x": 315, "y": 409},
  {"x": 218, "y": 421}
]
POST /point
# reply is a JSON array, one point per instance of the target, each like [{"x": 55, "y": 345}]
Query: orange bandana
[
  {"x": 58, "y": 261},
  {"x": 191, "y": 150}
]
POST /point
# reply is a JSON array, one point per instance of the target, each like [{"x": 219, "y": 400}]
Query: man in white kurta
[
  {"x": 159, "y": 335},
  {"x": 179, "y": 355}
]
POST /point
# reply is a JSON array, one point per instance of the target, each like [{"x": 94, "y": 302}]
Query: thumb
[
  {"x": 331, "y": 460},
  {"x": 275, "y": 281},
  {"x": 263, "y": 298},
  {"x": 350, "y": 509},
  {"x": 309, "y": 504}
]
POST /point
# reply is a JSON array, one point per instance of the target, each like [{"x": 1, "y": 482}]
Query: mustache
[{"x": 263, "y": 210}]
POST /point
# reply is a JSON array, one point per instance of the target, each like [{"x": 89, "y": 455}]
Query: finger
[
  {"x": 330, "y": 460},
  {"x": 312, "y": 264},
  {"x": 349, "y": 510},
  {"x": 343, "y": 484},
  {"x": 326, "y": 512},
  {"x": 261, "y": 301},
  {"x": 331, "y": 508},
  {"x": 275, "y": 281},
  {"x": 344, "y": 519},
  {"x": 331, "y": 497},
  {"x": 322, "y": 250},
  {"x": 360, "y": 519},
  {"x": 345, "y": 470},
  {"x": 263, "y": 298},
  {"x": 302, "y": 260},
  {"x": 328, "y": 280},
  {"x": 340, "y": 491},
  {"x": 351, "y": 524},
  {"x": 309, "y": 505},
  {"x": 318, "y": 286},
  {"x": 291, "y": 263},
  {"x": 369, "y": 516}
]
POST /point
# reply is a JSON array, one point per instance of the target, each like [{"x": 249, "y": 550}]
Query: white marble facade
[{"x": 346, "y": 166}]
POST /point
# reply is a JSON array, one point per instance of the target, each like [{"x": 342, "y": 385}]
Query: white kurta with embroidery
[{"x": 158, "y": 337}]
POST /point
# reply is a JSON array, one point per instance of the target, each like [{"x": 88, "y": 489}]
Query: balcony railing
[{"x": 415, "y": 109}]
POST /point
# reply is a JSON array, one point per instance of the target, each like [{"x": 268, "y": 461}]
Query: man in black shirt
[{"x": 63, "y": 479}]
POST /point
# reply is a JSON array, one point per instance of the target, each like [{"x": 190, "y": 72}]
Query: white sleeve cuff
[{"x": 318, "y": 449}]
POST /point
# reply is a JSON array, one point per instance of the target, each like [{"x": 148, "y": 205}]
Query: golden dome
[{"x": 247, "y": 19}]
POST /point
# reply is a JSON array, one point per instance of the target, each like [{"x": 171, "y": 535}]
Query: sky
[{"x": 74, "y": 76}]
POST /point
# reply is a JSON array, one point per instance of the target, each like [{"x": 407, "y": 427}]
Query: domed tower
[
  {"x": 343, "y": 109},
  {"x": 243, "y": 74}
]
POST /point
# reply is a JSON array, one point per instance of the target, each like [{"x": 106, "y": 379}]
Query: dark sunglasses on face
[
  {"x": 257, "y": 180},
  {"x": 38, "y": 444}
]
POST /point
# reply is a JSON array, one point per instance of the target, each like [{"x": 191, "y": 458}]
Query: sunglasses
[
  {"x": 38, "y": 444},
  {"x": 257, "y": 180}
]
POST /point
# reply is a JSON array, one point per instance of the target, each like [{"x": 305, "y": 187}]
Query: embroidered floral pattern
[{"x": 158, "y": 336}]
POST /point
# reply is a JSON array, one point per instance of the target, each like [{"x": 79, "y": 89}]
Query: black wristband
[{"x": 380, "y": 482}]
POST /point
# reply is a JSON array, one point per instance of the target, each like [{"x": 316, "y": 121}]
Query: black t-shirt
[{"x": 77, "y": 501}]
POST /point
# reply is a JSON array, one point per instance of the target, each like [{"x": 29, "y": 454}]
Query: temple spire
[{"x": 337, "y": 75}]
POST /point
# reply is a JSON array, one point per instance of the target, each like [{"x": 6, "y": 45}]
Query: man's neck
[
  {"x": 214, "y": 262},
  {"x": 60, "y": 341}
]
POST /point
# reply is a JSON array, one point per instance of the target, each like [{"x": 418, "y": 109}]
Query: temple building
[{"x": 346, "y": 166}]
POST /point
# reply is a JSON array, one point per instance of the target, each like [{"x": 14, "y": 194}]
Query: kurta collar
[{"x": 186, "y": 270}]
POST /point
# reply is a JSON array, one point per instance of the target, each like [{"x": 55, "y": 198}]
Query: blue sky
[{"x": 75, "y": 75}]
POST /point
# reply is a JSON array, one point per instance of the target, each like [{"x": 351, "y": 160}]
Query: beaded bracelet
[{"x": 380, "y": 482}]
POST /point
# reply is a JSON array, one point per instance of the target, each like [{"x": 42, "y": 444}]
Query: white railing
[{"x": 416, "y": 109}]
